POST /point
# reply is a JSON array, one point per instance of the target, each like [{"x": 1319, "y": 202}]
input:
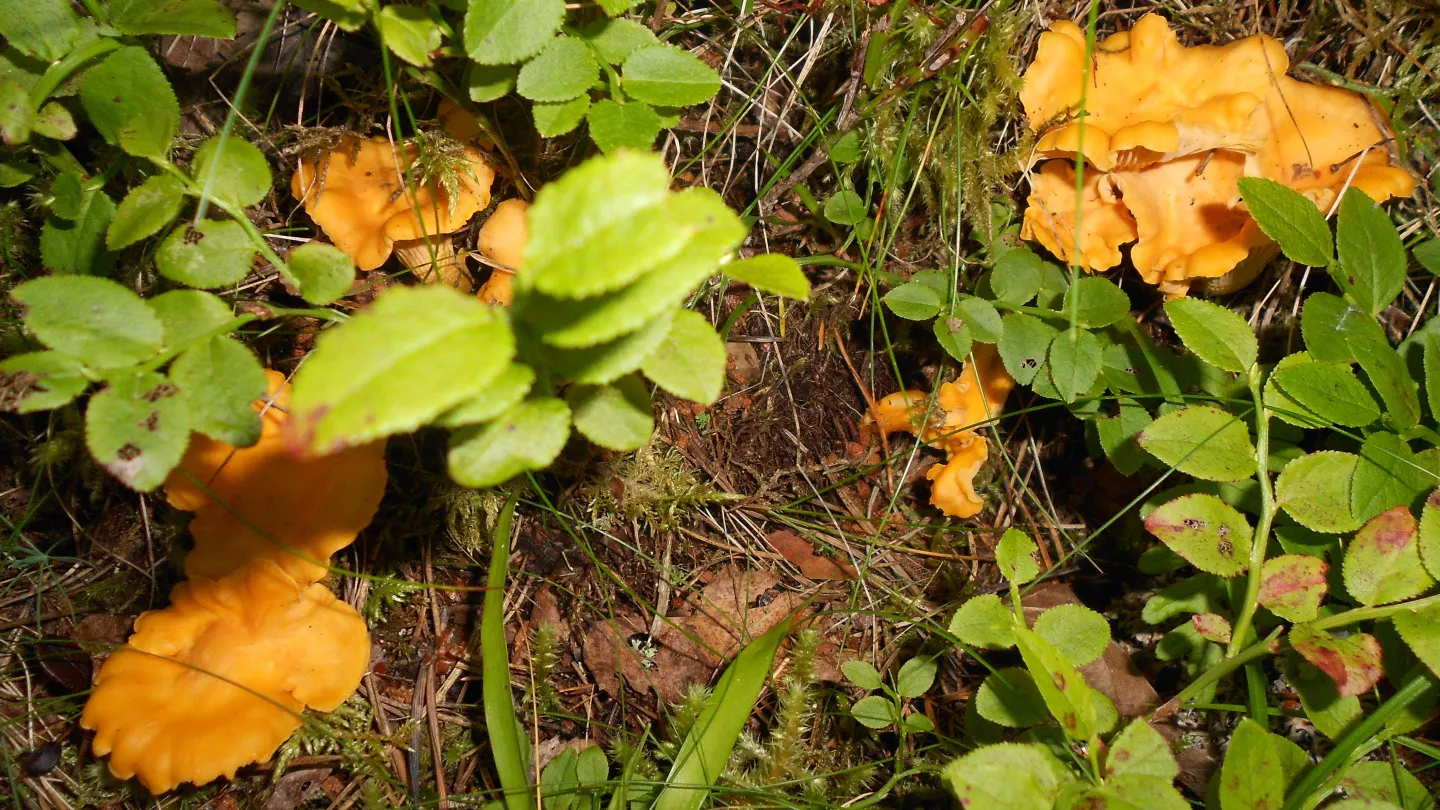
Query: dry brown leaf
[
  {"x": 1113, "y": 673},
  {"x": 799, "y": 552}
]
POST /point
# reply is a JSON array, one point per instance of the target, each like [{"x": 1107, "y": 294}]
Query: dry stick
[{"x": 874, "y": 410}]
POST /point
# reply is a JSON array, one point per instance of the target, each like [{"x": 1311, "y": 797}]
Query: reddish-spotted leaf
[
  {"x": 1211, "y": 534},
  {"x": 1212, "y": 627},
  {"x": 1352, "y": 662},
  {"x": 1382, "y": 564},
  {"x": 1293, "y": 585}
]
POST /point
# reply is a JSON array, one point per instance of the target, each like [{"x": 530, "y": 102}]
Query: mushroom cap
[
  {"x": 217, "y": 679},
  {"x": 357, "y": 194},
  {"x": 1151, "y": 98},
  {"x": 313, "y": 505},
  {"x": 502, "y": 240},
  {"x": 1050, "y": 216},
  {"x": 952, "y": 487}
]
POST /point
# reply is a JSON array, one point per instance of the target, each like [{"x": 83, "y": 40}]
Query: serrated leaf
[
  {"x": 1373, "y": 785},
  {"x": 954, "y": 337},
  {"x": 1281, "y": 405},
  {"x": 615, "y": 416},
  {"x": 188, "y": 314},
  {"x": 410, "y": 33},
  {"x": 981, "y": 316},
  {"x": 773, "y": 273},
  {"x": 1420, "y": 630},
  {"x": 211, "y": 254},
  {"x": 40, "y": 381},
  {"x": 218, "y": 380},
  {"x": 513, "y": 384},
  {"x": 984, "y": 622},
  {"x": 55, "y": 121},
  {"x": 1023, "y": 345},
  {"x": 1077, "y": 632},
  {"x": 1215, "y": 334},
  {"x": 667, "y": 76},
  {"x": 1314, "y": 489},
  {"x": 1198, "y": 594},
  {"x": 1330, "y": 391},
  {"x": 1118, "y": 435},
  {"x": 503, "y": 32},
  {"x": 1017, "y": 276},
  {"x": 617, "y": 126},
  {"x": 525, "y": 438},
  {"x": 1251, "y": 777},
  {"x": 1387, "y": 475},
  {"x": 1331, "y": 713},
  {"x": 44, "y": 29},
  {"x": 1391, "y": 379},
  {"x": 418, "y": 352},
  {"x": 1139, "y": 750},
  {"x": 1211, "y": 534},
  {"x": 1289, "y": 218},
  {"x": 491, "y": 82},
  {"x": 1430, "y": 534},
  {"x": 598, "y": 365},
  {"x": 1075, "y": 364},
  {"x": 1427, "y": 255},
  {"x": 66, "y": 196},
  {"x": 1015, "y": 556},
  {"x": 236, "y": 173},
  {"x": 690, "y": 362},
  {"x": 1382, "y": 563},
  {"x": 914, "y": 301},
  {"x": 94, "y": 320},
  {"x": 552, "y": 120},
  {"x": 564, "y": 69},
  {"x": 130, "y": 103},
  {"x": 148, "y": 207},
  {"x": 1101, "y": 303},
  {"x": 1010, "y": 698},
  {"x": 1212, "y": 627},
  {"x": 1006, "y": 776},
  {"x": 861, "y": 673},
  {"x": 1353, "y": 662},
  {"x": 916, "y": 676},
  {"x": 1327, "y": 322},
  {"x": 17, "y": 116},
  {"x": 137, "y": 429},
  {"x": 324, "y": 271},
  {"x": 1292, "y": 586},
  {"x": 78, "y": 245},
  {"x": 616, "y": 39},
  {"x": 200, "y": 18},
  {"x": 1371, "y": 270},
  {"x": 874, "y": 711},
  {"x": 348, "y": 15},
  {"x": 1203, "y": 441},
  {"x": 1069, "y": 698}
]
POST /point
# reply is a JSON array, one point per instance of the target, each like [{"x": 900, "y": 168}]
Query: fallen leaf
[
  {"x": 1114, "y": 674},
  {"x": 800, "y": 553}
]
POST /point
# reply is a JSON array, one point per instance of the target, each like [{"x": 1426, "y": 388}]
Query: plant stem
[
  {"x": 1252, "y": 653},
  {"x": 1261, "y": 542},
  {"x": 60, "y": 71},
  {"x": 237, "y": 214},
  {"x": 1367, "y": 613}
]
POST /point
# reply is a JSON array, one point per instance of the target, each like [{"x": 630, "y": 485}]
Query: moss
[{"x": 654, "y": 487}]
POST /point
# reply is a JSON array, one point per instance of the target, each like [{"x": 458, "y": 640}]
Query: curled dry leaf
[{"x": 799, "y": 552}]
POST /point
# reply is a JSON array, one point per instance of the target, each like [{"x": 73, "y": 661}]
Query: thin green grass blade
[
  {"x": 501, "y": 723},
  {"x": 707, "y": 748}
]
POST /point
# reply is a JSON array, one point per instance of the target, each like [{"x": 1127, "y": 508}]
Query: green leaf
[
  {"x": 349, "y": 15},
  {"x": 1430, "y": 361},
  {"x": 1066, "y": 694},
  {"x": 1009, "y": 697},
  {"x": 559, "y": 783},
  {"x": 215, "y": 253},
  {"x": 1372, "y": 258},
  {"x": 55, "y": 121},
  {"x": 1353, "y": 662},
  {"x": 1292, "y": 586},
  {"x": 1006, "y": 776},
  {"x": 562, "y": 71},
  {"x": 410, "y": 33},
  {"x": 418, "y": 352},
  {"x": 1382, "y": 563},
  {"x": 617, "y": 126},
  {"x": 1209, "y": 533},
  {"x": 772, "y": 273},
  {"x": 552, "y": 120},
  {"x": 78, "y": 246},
  {"x": 1251, "y": 777},
  {"x": 137, "y": 429},
  {"x": 1371, "y": 784},
  {"x": 188, "y": 314},
  {"x": 982, "y": 318},
  {"x": 1330, "y": 391},
  {"x": 616, "y": 39},
  {"x": 504, "y": 393},
  {"x": 615, "y": 416},
  {"x": 874, "y": 711},
  {"x": 916, "y": 676},
  {"x": 1198, "y": 594},
  {"x": 1420, "y": 630},
  {"x": 607, "y": 362},
  {"x": 200, "y": 18},
  {"x": 861, "y": 673},
  {"x": 984, "y": 622},
  {"x": 1015, "y": 556},
  {"x": 1281, "y": 405},
  {"x": 1077, "y": 632},
  {"x": 491, "y": 82},
  {"x": 218, "y": 380},
  {"x": 503, "y": 32},
  {"x": 1023, "y": 345},
  {"x": 130, "y": 103},
  {"x": 667, "y": 76},
  {"x": 66, "y": 196},
  {"x": 324, "y": 271},
  {"x": 1118, "y": 436},
  {"x": 508, "y": 743},
  {"x": 1391, "y": 379},
  {"x": 94, "y": 320},
  {"x": 525, "y": 438},
  {"x": 44, "y": 29},
  {"x": 148, "y": 207},
  {"x": 1203, "y": 441},
  {"x": 707, "y": 748},
  {"x": 592, "y": 768},
  {"x": 1101, "y": 303},
  {"x": 954, "y": 337},
  {"x": 914, "y": 301},
  {"x": 1017, "y": 276},
  {"x": 1290, "y": 218},
  {"x": 846, "y": 208},
  {"x": 1331, "y": 713},
  {"x": 1139, "y": 750},
  {"x": 1427, "y": 254},
  {"x": 1430, "y": 534},
  {"x": 40, "y": 381},
  {"x": 690, "y": 362},
  {"x": 238, "y": 175},
  {"x": 1328, "y": 322},
  {"x": 17, "y": 116},
  {"x": 1075, "y": 364},
  {"x": 1387, "y": 475},
  {"x": 1215, "y": 334},
  {"x": 1314, "y": 489}
]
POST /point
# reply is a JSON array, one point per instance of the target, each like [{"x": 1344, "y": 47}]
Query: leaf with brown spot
[
  {"x": 1382, "y": 564},
  {"x": 1293, "y": 585},
  {"x": 1352, "y": 662},
  {"x": 800, "y": 553},
  {"x": 1212, "y": 627},
  {"x": 1209, "y": 533}
]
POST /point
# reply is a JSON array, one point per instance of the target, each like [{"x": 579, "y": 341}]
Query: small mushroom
[
  {"x": 260, "y": 502},
  {"x": 218, "y": 679},
  {"x": 357, "y": 193},
  {"x": 963, "y": 407},
  {"x": 502, "y": 242}
]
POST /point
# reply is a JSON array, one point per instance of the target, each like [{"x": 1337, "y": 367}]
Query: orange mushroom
[
  {"x": 1050, "y": 217},
  {"x": 502, "y": 241},
  {"x": 357, "y": 193},
  {"x": 259, "y": 502},
  {"x": 965, "y": 405},
  {"x": 218, "y": 679}
]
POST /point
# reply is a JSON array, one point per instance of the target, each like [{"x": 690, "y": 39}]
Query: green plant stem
[
  {"x": 1368, "y": 613},
  {"x": 1261, "y": 542},
  {"x": 1255, "y": 694},
  {"x": 57, "y": 73},
  {"x": 236, "y": 213},
  {"x": 501, "y": 723},
  {"x": 1254, "y": 652},
  {"x": 1352, "y": 740}
]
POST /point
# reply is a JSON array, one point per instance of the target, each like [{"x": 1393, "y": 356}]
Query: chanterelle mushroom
[
  {"x": 964, "y": 406},
  {"x": 502, "y": 241},
  {"x": 218, "y": 679},
  {"x": 305, "y": 507},
  {"x": 357, "y": 194}
]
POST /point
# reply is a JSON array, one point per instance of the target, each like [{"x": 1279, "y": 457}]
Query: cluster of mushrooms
[
  {"x": 218, "y": 679},
  {"x": 1167, "y": 133}
]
